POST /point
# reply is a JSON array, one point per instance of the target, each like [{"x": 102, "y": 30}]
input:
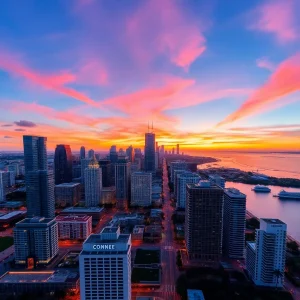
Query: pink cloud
[
  {"x": 276, "y": 17},
  {"x": 57, "y": 82},
  {"x": 161, "y": 27},
  {"x": 265, "y": 63},
  {"x": 284, "y": 81}
]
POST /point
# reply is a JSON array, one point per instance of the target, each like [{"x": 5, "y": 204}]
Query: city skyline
[{"x": 208, "y": 74}]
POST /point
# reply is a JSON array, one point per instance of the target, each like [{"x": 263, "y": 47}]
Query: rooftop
[
  {"x": 195, "y": 295},
  {"x": 12, "y": 214},
  {"x": 273, "y": 221},
  {"x": 39, "y": 276},
  {"x": 73, "y": 218},
  {"x": 35, "y": 221},
  {"x": 215, "y": 176},
  {"x": 234, "y": 193},
  {"x": 110, "y": 230},
  {"x": 203, "y": 184},
  {"x": 96, "y": 239},
  {"x": 83, "y": 209},
  {"x": 252, "y": 245},
  {"x": 69, "y": 184}
]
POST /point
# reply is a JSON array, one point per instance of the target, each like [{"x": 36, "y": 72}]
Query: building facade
[
  {"x": 176, "y": 165},
  {"x": 93, "y": 184},
  {"x": 234, "y": 218},
  {"x": 36, "y": 238},
  {"x": 82, "y": 153},
  {"x": 63, "y": 164},
  {"x": 91, "y": 154},
  {"x": 141, "y": 189},
  {"x": 203, "y": 221},
  {"x": 2, "y": 187},
  {"x": 74, "y": 227},
  {"x": 108, "y": 196},
  {"x": 105, "y": 266},
  {"x": 106, "y": 167},
  {"x": 149, "y": 152},
  {"x": 67, "y": 194},
  {"x": 266, "y": 256},
  {"x": 84, "y": 163},
  {"x": 217, "y": 179}
]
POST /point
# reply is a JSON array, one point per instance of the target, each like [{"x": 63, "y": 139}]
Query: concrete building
[
  {"x": 106, "y": 167},
  {"x": 217, "y": 179},
  {"x": 63, "y": 164},
  {"x": 93, "y": 184},
  {"x": 2, "y": 187},
  {"x": 182, "y": 180},
  {"x": 138, "y": 233},
  {"x": 203, "y": 221},
  {"x": 67, "y": 194},
  {"x": 130, "y": 154},
  {"x": 91, "y": 154},
  {"x": 105, "y": 266},
  {"x": 95, "y": 212},
  {"x": 122, "y": 181},
  {"x": 82, "y": 153},
  {"x": 108, "y": 195},
  {"x": 149, "y": 152},
  {"x": 141, "y": 189},
  {"x": 176, "y": 165},
  {"x": 74, "y": 227},
  {"x": 36, "y": 239},
  {"x": 267, "y": 254},
  {"x": 84, "y": 163},
  {"x": 76, "y": 171},
  {"x": 14, "y": 168},
  {"x": 234, "y": 217}
]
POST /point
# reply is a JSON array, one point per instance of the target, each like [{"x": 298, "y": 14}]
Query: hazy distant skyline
[{"x": 209, "y": 74}]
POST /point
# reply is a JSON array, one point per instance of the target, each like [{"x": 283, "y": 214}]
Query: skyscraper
[
  {"x": 150, "y": 152},
  {"x": 39, "y": 182},
  {"x": 176, "y": 165},
  {"x": 177, "y": 150},
  {"x": 106, "y": 167},
  {"x": 234, "y": 223},
  {"x": 84, "y": 163},
  {"x": 113, "y": 157},
  {"x": 203, "y": 221},
  {"x": 2, "y": 187},
  {"x": 130, "y": 154},
  {"x": 122, "y": 180},
  {"x": 267, "y": 254},
  {"x": 93, "y": 184},
  {"x": 63, "y": 164},
  {"x": 82, "y": 153},
  {"x": 91, "y": 153},
  {"x": 141, "y": 189},
  {"x": 105, "y": 266}
]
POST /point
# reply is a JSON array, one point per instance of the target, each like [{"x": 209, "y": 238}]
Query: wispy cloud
[
  {"x": 24, "y": 123},
  {"x": 8, "y": 137},
  {"x": 265, "y": 63}
]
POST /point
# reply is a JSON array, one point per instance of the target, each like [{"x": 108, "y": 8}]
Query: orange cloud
[
  {"x": 57, "y": 82},
  {"x": 276, "y": 17},
  {"x": 284, "y": 81}
]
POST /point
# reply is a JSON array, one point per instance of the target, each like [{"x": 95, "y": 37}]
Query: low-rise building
[
  {"x": 95, "y": 212},
  {"x": 138, "y": 232},
  {"x": 74, "y": 227},
  {"x": 67, "y": 194},
  {"x": 124, "y": 219}
]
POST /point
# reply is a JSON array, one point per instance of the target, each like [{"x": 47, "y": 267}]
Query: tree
[
  {"x": 278, "y": 274},
  {"x": 292, "y": 245}
]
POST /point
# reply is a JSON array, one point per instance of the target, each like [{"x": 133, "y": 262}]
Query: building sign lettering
[{"x": 104, "y": 247}]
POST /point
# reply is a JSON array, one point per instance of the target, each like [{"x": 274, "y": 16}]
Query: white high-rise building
[
  {"x": 234, "y": 216},
  {"x": 177, "y": 165},
  {"x": 176, "y": 173},
  {"x": 84, "y": 164},
  {"x": 265, "y": 258},
  {"x": 105, "y": 266},
  {"x": 93, "y": 184},
  {"x": 182, "y": 180},
  {"x": 141, "y": 188}
]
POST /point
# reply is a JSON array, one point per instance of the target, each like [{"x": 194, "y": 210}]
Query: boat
[
  {"x": 261, "y": 189},
  {"x": 288, "y": 195}
]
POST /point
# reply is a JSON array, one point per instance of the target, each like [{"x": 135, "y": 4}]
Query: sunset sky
[{"x": 209, "y": 74}]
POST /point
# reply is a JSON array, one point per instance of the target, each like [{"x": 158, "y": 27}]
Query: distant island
[{"x": 237, "y": 175}]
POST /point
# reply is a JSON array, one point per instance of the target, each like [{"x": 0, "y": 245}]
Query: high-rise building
[
  {"x": 74, "y": 227},
  {"x": 106, "y": 167},
  {"x": 76, "y": 171},
  {"x": 217, "y": 179},
  {"x": 113, "y": 154},
  {"x": 130, "y": 154},
  {"x": 91, "y": 153},
  {"x": 35, "y": 153},
  {"x": 173, "y": 151},
  {"x": 234, "y": 216},
  {"x": 37, "y": 239},
  {"x": 182, "y": 180},
  {"x": 14, "y": 168},
  {"x": 105, "y": 266},
  {"x": 82, "y": 153},
  {"x": 63, "y": 164},
  {"x": 93, "y": 184},
  {"x": 122, "y": 180},
  {"x": 175, "y": 183},
  {"x": 265, "y": 258},
  {"x": 177, "y": 149},
  {"x": 40, "y": 194},
  {"x": 177, "y": 165},
  {"x": 149, "y": 152},
  {"x": 2, "y": 187},
  {"x": 67, "y": 194},
  {"x": 203, "y": 221},
  {"x": 141, "y": 189},
  {"x": 84, "y": 164}
]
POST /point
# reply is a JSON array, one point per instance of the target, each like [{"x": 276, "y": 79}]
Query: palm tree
[{"x": 277, "y": 273}]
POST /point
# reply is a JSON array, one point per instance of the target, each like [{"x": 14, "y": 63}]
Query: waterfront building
[
  {"x": 36, "y": 239},
  {"x": 74, "y": 227},
  {"x": 141, "y": 189},
  {"x": 217, "y": 179},
  {"x": 67, "y": 194},
  {"x": 106, "y": 166},
  {"x": 266, "y": 256},
  {"x": 84, "y": 164},
  {"x": 182, "y": 180},
  {"x": 176, "y": 165},
  {"x": 149, "y": 152},
  {"x": 234, "y": 217},
  {"x": 105, "y": 266},
  {"x": 122, "y": 181},
  {"x": 63, "y": 164},
  {"x": 82, "y": 153},
  {"x": 108, "y": 195},
  {"x": 91, "y": 154},
  {"x": 203, "y": 221},
  {"x": 93, "y": 184}
]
